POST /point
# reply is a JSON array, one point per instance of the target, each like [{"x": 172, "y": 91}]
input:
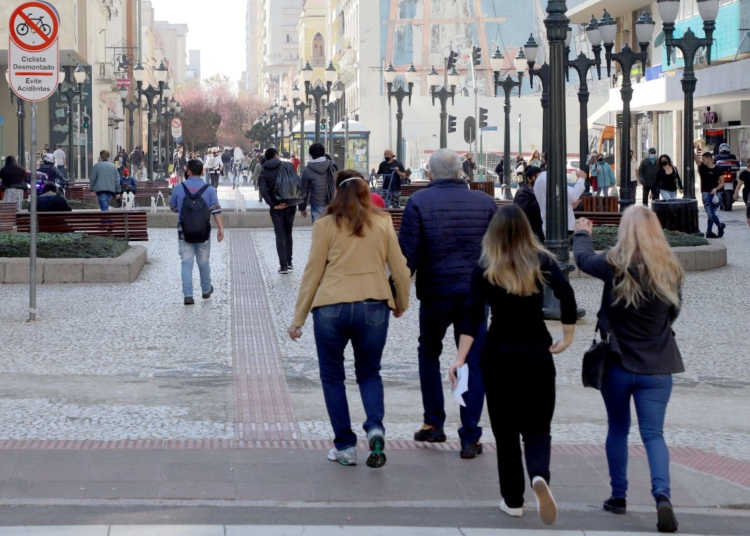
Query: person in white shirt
[
  {"x": 574, "y": 194},
  {"x": 60, "y": 161}
]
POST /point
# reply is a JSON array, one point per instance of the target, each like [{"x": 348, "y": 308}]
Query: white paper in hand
[{"x": 462, "y": 385}]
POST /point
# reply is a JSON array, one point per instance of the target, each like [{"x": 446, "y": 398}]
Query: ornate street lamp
[
  {"x": 507, "y": 85},
  {"x": 400, "y": 94},
  {"x": 151, "y": 95},
  {"x": 450, "y": 80},
  {"x": 318, "y": 92},
  {"x": 689, "y": 44},
  {"x": 130, "y": 107},
  {"x": 79, "y": 76},
  {"x": 543, "y": 73},
  {"x": 626, "y": 58},
  {"x": 300, "y": 107}
]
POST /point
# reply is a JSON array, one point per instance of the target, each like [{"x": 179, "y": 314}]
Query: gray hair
[{"x": 445, "y": 164}]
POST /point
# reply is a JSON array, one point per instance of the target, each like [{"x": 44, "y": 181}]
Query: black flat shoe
[
  {"x": 667, "y": 521},
  {"x": 616, "y": 506}
]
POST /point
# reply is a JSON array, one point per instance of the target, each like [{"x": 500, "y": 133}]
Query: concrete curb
[
  {"x": 693, "y": 259},
  {"x": 123, "y": 269},
  {"x": 254, "y": 219}
]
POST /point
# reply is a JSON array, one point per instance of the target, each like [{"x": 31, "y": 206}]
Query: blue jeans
[
  {"x": 666, "y": 194},
  {"x": 317, "y": 212},
  {"x": 434, "y": 318},
  {"x": 651, "y": 395},
  {"x": 711, "y": 211},
  {"x": 104, "y": 198},
  {"x": 365, "y": 324},
  {"x": 201, "y": 253},
  {"x": 62, "y": 171}
]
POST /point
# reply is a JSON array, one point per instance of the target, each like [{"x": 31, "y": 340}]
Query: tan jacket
[{"x": 344, "y": 268}]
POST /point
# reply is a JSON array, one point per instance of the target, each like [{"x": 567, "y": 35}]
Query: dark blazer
[
  {"x": 526, "y": 199},
  {"x": 643, "y": 336}
]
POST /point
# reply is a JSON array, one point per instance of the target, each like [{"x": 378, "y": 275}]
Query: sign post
[{"x": 33, "y": 67}]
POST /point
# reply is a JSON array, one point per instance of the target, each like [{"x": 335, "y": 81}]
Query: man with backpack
[
  {"x": 281, "y": 189},
  {"x": 195, "y": 201},
  {"x": 317, "y": 181}
]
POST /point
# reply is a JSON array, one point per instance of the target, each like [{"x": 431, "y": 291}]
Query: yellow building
[{"x": 313, "y": 38}]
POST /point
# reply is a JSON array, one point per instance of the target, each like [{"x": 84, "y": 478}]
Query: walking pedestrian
[
  {"x": 743, "y": 183},
  {"x": 105, "y": 180},
  {"x": 352, "y": 304},
  {"x": 214, "y": 167},
  {"x": 226, "y": 159},
  {"x": 574, "y": 195},
  {"x": 712, "y": 182},
  {"x": 526, "y": 199},
  {"x": 295, "y": 162},
  {"x": 14, "y": 182},
  {"x": 647, "y": 172},
  {"x": 468, "y": 166},
  {"x": 282, "y": 214},
  {"x": 668, "y": 179},
  {"x": 535, "y": 159},
  {"x": 643, "y": 283},
  {"x": 317, "y": 181},
  {"x": 136, "y": 163},
  {"x": 61, "y": 161},
  {"x": 517, "y": 358},
  {"x": 393, "y": 171},
  {"x": 605, "y": 177},
  {"x": 441, "y": 237}
]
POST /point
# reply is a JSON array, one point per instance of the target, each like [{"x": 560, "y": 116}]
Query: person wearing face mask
[
  {"x": 393, "y": 171},
  {"x": 526, "y": 199},
  {"x": 605, "y": 177},
  {"x": 668, "y": 180},
  {"x": 647, "y": 176}
]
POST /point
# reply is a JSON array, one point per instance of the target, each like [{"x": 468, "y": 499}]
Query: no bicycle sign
[{"x": 33, "y": 53}]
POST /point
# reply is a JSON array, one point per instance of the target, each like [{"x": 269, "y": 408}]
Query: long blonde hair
[
  {"x": 510, "y": 255},
  {"x": 645, "y": 266}
]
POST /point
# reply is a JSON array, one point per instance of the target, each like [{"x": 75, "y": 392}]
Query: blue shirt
[{"x": 194, "y": 184}]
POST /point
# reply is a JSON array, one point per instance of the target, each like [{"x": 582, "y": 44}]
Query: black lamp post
[
  {"x": 626, "y": 58},
  {"x": 162, "y": 108},
  {"x": 288, "y": 113},
  {"x": 689, "y": 44},
  {"x": 130, "y": 107},
  {"x": 318, "y": 92},
  {"x": 274, "y": 112},
  {"x": 450, "y": 80},
  {"x": 497, "y": 62},
  {"x": 301, "y": 107},
  {"x": 331, "y": 107},
  {"x": 582, "y": 65},
  {"x": 400, "y": 94},
  {"x": 79, "y": 75},
  {"x": 543, "y": 73},
  {"x": 173, "y": 108},
  {"x": 151, "y": 94}
]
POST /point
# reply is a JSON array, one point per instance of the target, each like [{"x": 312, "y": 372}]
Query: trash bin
[{"x": 680, "y": 215}]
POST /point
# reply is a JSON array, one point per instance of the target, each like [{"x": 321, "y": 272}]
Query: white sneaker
[
  {"x": 545, "y": 501},
  {"x": 512, "y": 512},
  {"x": 344, "y": 457}
]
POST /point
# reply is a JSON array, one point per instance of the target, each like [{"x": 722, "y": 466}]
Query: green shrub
[
  {"x": 606, "y": 237},
  {"x": 62, "y": 246},
  {"x": 75, "y": 204}
]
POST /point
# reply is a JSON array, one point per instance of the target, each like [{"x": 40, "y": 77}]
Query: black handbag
[{"x": 595, "y": 360}]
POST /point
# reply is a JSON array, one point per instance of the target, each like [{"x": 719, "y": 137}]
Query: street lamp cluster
[
  {"x": 152, "y": 96},
  {"x": 79, "y": 76},
  {"x": 400, "y": 94}
]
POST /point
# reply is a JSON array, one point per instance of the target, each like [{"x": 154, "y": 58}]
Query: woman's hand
[
  {"x": 560, "y": 346},
  {"x": 398, "y": 313},
  {"x": 294, "y": 332},
  {"x": 736, "y": 195},
  {"x": 453, "y": 372},
  {"x": 583, "y": 224}
]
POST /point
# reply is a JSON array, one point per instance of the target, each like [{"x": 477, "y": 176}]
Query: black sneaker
[
  {"x": 616, "y": 506},
  {"x": 189, "y": 301},
  {"x": 469, "y": 451},
  {"x": 665, "y": 514},
  {"x": 283, "y": 270},
  {"x": 208, "y": 294},
  {"x": 290, "y": 267},
  {"x": 721, "y": 229},
  {"x": 712, "y": 235},
  {"x": 431, "y": 435}
]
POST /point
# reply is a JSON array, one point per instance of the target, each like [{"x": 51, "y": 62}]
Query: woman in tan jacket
[{"x": 346, "y": 286}]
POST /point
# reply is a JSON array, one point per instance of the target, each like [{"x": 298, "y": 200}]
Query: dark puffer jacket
[
  {"x": 526, "y": 199},
  {"x": 441, "y": 236},
  {"x": 315, "y": 182}
]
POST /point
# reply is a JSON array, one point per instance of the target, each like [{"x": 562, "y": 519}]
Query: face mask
[
  {"x": 652, "y": 157},
  {"x": 663, "y": 162},
  {"x": 600, "y": 161}
]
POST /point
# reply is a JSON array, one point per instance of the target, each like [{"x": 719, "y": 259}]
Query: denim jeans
[
  {"x": 651, "y": 395},
  {"x": 201, "y": 253},
  {"x": 434, "y": 318},
  {"x": 62, "y": 171},
  {"x": 601, "y": 192},
  {"x": 317, "y": 212},
  {"x": 104, "y": 198},
  {"x": 666, "y": 194},
  {"x": 365, "y": 324},
  {"x": 711, "y": 211}
]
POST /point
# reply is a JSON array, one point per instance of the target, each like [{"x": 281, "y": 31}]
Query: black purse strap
[{"x": 603, "y": 325}]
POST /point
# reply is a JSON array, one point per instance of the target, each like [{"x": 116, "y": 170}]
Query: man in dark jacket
[
  {"x": 441, "y": 237},
  {"x": 282, "y": 215},
  {"x": 647, "y": 173},
  {"x": 317, "y": 181},
  {"x": 526, "y": 199},
  {"x": 393, "y": 173},
  {"x": 50, "y": 201}
]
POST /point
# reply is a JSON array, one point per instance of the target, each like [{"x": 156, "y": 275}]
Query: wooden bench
[
  {"x": 79, "y": 191},
  {"x": 7, "y": 216},
  {"x": 410, "y": 189},
  {"x": 503, "y": 202},
  {"x": 601, "y": 218},
  {"x": 128, "y": 225},
  {"x": 397, "y": 215},
  {"x": 600, "y": 204},
  {"x": 486, "y": 187}
]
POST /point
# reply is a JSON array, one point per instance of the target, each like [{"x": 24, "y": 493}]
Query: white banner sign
[{"x": 177, "y": 129}]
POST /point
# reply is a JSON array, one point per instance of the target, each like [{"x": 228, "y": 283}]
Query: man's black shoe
[
  {"x": 189, "y": 301},
  {"x": 616, "y": 506},
  {"x": 721, "y": 229},
  {"x": 283, "y": 270},
  {"x": 470, "y": 451},
  {"x": 432, "y": 434},
  {"x": 290, "y": 268},
  {"x": 208, "y": 295},
  {"x": 665, "y": 514},
  {"x": 712, "y": 235}
]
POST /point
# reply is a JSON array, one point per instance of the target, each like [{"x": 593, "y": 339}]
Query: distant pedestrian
[
  {"x": 136, "y": 163},
  {"x": 647, "y": 172},
  {"x": 605, "y": 177},
  {"x": 214, "y": 166},
  {"x": 14, "y": 182},
  {"x": 712, "y": 182},
  {"x": 50, "y": 201},
  {"x": 517, "y": 358},
  {"x": 743, "y": 183},
  {"x": 643, "y": 282},
  {"x": 195, "y": 201},
  {"x": 393, "y": 172},
  {"x": 468, "y": 166},
  {"x": 226, "y": 159},
  {"x": 574, "y": 195},
  {"x": 317, "y": 181},
  {"x": 535, "y": 159},
  {"x": 352, "y": 304},
  {"x": 295, "y": 162},
  {"x": 441, "y": 237},
  {"x": 61, "y": 161},
  {"x": 526, "y": 199},
  {"x": 668, "y": 179},
  {"x": 105, "y": 180}
]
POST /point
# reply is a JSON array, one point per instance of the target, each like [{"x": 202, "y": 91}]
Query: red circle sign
[
  {"x": 34, "y": 26},
  {"x": 176, "y": 122}
]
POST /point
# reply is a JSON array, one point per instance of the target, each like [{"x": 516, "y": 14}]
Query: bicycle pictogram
[{"x": 23, "y": 28}]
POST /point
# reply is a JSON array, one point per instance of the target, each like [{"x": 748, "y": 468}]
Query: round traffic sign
[
  {"x": 34, "y": 26},
  {"x": 176, "y": 122}
]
